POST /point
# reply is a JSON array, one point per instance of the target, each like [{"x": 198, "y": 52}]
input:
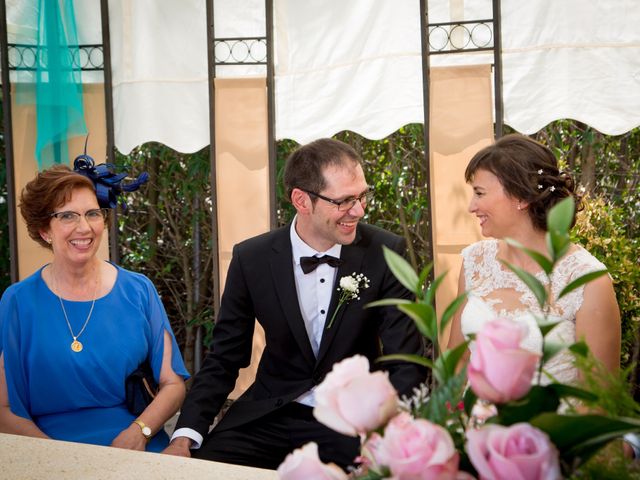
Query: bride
[{"x": 515, "y": 183}]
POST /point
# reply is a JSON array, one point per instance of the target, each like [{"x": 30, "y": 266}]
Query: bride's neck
[{"x": 532, "y": 240}]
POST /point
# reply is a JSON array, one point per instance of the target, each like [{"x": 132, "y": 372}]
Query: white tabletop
[{"x": 23, "y": 458}]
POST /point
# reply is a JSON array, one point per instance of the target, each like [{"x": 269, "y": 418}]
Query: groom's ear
[{"x": 301, "y": 201}]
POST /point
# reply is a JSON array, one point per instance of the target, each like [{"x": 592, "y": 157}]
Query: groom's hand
[{"x": 180, "y": 447}]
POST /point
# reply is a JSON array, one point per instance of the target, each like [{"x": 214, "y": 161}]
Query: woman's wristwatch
[{"x": 146, "y": 431}]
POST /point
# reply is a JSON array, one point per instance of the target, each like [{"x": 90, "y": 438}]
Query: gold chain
[{"x": 76, "y": 345}]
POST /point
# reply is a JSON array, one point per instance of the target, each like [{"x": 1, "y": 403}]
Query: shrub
[{"x": 601, "y": 229}]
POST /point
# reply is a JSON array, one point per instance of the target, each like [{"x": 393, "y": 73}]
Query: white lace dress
[{"x": 495, "y": 291}]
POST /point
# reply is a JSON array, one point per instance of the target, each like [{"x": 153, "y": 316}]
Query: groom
[{"x": 287, "y": 279}]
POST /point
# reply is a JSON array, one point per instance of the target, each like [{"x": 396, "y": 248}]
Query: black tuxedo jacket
[{"x": 261, "y": 285}]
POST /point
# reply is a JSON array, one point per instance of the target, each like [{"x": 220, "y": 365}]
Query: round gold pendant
[{"x": 76, "y": 346}]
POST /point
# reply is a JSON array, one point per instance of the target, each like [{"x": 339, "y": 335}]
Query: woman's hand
[
  {"x": 169, "y": 398},
  {"x": 130, "y": 438}
]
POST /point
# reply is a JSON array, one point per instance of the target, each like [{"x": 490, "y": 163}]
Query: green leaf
[
  {"x": 470, "y": 399},
  {"x": 580, "y": 348},
  {"x": 406, "y": 357},
  {"x": 424, "y": 317},
  {"x": 531, "y": 281},
  {"x": 577, "y": 437},
  {"x": 546, "y": 326},
  {"x": 538, "y": 400},
  {"x": 581, "y": 281},
  {"x": 435, "y": 409},
  {"x": 451, "y": 310},
  {"x": 560, "y": 216},
  {"x": 402, "y": 270},
  {"x": 385, "y": 302},
  {"x": 539, "y": 258},
  {"x": 431, "y": 291},
  {"x": 448, "y": 361},
  {"x": 558, "y": 244},
  {"x": 563, "y": 391},
  {"x": 424, "y": 274},
  {"x": 551, "y": 349}
]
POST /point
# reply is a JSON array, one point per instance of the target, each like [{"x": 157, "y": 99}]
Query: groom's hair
[{"x": 306, "y": 165}]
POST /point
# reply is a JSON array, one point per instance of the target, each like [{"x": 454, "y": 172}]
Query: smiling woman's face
[
  {"x": 496, "y": 210},
  {"x": 76, "y": 243}
]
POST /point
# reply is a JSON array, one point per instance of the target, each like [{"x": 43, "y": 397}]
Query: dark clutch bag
[{"x": 140, "y": 388}]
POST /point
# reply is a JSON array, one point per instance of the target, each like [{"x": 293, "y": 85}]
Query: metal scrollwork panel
[{"x": 23, "y": 57}]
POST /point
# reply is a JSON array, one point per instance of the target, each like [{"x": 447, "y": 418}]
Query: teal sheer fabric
[{"x": 59, "y": 108}]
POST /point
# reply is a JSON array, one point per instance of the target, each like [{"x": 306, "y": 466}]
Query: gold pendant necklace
[{"x": 76, "y": 345}]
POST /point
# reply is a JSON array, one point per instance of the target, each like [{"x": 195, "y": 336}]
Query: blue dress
[{"x": 79, "y": 396}]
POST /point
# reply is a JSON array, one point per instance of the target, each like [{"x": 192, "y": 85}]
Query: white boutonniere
[{"x": 350, "y": 286}]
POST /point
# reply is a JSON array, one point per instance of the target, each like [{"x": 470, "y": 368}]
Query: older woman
[
  {"x": 515, "y": 183},
  {"x": 73, "y": 331}
]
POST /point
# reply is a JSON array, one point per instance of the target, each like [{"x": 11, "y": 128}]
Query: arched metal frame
[
  {"x": 437, "y": 39},
  {"x": 442, "y": 39},
  {"x": 22, "y": 57},
  {"x": 8, "y": 143},
  {"x": 229, "y": 51}
]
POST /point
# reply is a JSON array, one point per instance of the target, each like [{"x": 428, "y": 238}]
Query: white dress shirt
[{"x": 314, "y": 291}]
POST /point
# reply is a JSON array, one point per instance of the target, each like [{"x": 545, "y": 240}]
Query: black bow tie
[{"x": 309, "y": 264}]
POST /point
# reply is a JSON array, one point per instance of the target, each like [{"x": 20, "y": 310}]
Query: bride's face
[{"x": 496, "y": 210}]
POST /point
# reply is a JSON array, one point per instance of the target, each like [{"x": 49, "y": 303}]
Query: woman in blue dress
[{"x": 72, "y": 332}]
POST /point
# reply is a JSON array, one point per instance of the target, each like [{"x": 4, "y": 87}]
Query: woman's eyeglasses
[{"x": 91, "y": 216}]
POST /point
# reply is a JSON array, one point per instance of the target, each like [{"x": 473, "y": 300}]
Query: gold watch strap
[{"x": 144, "y": 428}]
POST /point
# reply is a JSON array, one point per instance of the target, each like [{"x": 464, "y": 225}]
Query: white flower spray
[{"x": 350, "y": 286}]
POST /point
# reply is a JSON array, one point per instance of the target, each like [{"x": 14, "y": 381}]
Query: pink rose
[
  {"x": 518, "y": 452},
  {"x": 499, "y": 369},
  {"x": 304, "y": 463},
  {"x": 415, "y": 449},
  {"x": 351, "y": 400}
]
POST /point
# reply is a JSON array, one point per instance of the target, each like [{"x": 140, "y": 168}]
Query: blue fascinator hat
[{"x": 108, "y": 183}]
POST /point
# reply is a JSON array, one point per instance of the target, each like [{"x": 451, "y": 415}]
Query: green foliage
[
  {"x": 608, "y": 463},
  {"x": 611, "y": 390},
  {"x": 602, "y": 229},
  {"x": 166, "y": 234}
]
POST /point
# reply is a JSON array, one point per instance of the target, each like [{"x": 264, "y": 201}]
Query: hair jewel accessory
[
  {"x": 552, "y": 188},
  {"x": 539, "y": 187},
  {"x": 108, "y": 183},
  {"x": 540, "y": 172}
]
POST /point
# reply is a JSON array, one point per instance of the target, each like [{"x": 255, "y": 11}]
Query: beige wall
[
  {"x": 461, "y": 123},
  {"x": 31, "y": 255},
  {"x": 242, "y": 179}
]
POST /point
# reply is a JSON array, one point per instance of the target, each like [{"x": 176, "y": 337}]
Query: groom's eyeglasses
[{"x": 348, "y": 203}]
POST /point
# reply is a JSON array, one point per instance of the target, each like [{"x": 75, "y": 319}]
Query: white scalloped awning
[{"x": 356, "y": 64}]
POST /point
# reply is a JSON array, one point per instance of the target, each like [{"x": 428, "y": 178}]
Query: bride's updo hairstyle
[{"x": 528, "y": 171}]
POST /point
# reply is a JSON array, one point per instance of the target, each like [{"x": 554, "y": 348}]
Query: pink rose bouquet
[
  {"x": 521, "y": 434},
  {"x": 415, "y": 449},
  {"x": 509, "y": 453},
  {"x": 351, "y": 400},
  {"x": 499, "y": 369},
  {"x": 304, "y": 463}
]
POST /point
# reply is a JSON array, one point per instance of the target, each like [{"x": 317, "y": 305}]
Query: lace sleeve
[
  {"x": 568, "y": 269},
  {"x": 476, "y": 261}
]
